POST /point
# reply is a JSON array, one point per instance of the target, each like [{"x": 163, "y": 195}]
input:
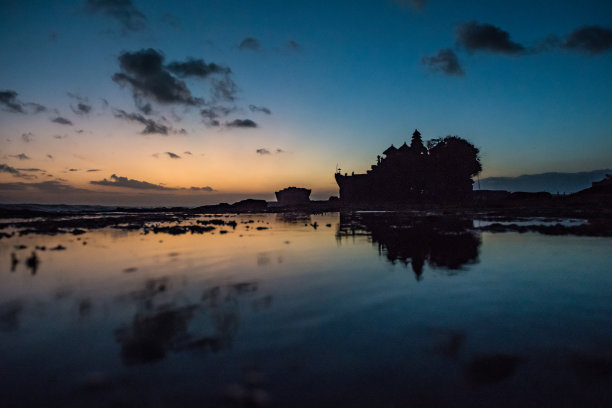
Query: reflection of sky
[
  {"x": 354, "y": 86},
  {"x": 315, "y": 318}
]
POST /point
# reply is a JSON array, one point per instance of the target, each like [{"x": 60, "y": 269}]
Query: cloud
[
  {"x": 73, "y": 169},
  {"x": 117, "y": 181},
  {"x": 293, "y": 46},
  {"x": 171, "y": 20},
  {"x": 224, "y": 89},
  {"x": 50, "y": 186},
  {"x": 188, "y": 152},
  {"x": 130, "y": 18},
  {"x": 32, "y": 169},
  {"x": 211, "y": 115},
  {"x": 151, "y": 126},
  {"x": 27, "y": 137},
  {"x": 34, "y": 107},
  {"x": 280, "y": 151},
  {"x": 207, "y": 189},
  {"x": 144, "y": 72},
  {"x": 20, "y": 156},
  {"x": 262, "y": 151},
  {"x": 82, "y": 107},
  {"x": 196, "y": 68},
  {"x": 92, "y": 170},
  {"x": 62, "y": 121},
  {"x": 9, "y": 102},
  {"x": 249, "y": 43},
  {"x": 589, "y": 39},
  {"x": 5, "y": 168},
  {"x": 261, "y": 109},
  {"x": 173, "y": 156},
  {"x": 445, "y": 61},
  {"x": 50, "y": 156},
  {"x": 486, "y": 37},
  {"x": 241, "y": 123}
]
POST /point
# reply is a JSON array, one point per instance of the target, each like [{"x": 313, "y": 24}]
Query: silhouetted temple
[
  {"x": 293, "y": 196},
  {"x": 443, "y": 169}
]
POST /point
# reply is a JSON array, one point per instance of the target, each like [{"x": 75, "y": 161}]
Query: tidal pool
[{"x": 289, "y": 310}]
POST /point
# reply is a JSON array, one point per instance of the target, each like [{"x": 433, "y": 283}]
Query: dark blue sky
[{"x": 299, "y": 86}]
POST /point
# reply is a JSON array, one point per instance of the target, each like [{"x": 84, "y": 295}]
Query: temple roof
[{"x": 390, "y": 149}]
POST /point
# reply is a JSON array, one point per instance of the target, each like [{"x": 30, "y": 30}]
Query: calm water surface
[{"x": 363, "y": 310}]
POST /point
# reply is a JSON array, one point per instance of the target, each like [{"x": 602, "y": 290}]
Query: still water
[{"x": 359, "y": 310}]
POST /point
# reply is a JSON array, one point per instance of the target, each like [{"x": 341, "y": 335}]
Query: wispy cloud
[
  {"x": 151, "y": 126},
  {"x": 250, "y": 44},
  {"x": 123, "y": 11},
  {"x": 20, "y": 156},
  {"x": 62, "y": 121},
  {"x": 27, "y": 137},
  {"x": 445, "y": 61},
  {"x": 10, "y": 103},
  {"x": 260, "y": 109},
  {"x": 82, "y": 106},
  {"x": 5, "y": 168}
]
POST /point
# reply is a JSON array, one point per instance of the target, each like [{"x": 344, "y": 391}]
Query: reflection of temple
[
  {"x": 444, "y": 169},
  {"x": 440, "y": 241}
]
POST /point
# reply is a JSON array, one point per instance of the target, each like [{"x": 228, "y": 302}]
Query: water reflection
[
  {"x": 446, "y": 242},
  {"x": 160, "y": 326}
]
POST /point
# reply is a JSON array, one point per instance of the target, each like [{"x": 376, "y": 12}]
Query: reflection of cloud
[
  {"x": 10, "y": 313},
  {"x": 486, "y": 37},
  {"x": 263, "y": 259},
  {"x": 590, "y": 368},
  {"x": 491, "y": 369},
  {"x": 445, "y": 61},
  {"x": 159, "y": 327},
  {"x": 117, "y": 181}
]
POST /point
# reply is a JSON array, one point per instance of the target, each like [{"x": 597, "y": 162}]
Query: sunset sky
[{"x": 137, "y": 102}]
